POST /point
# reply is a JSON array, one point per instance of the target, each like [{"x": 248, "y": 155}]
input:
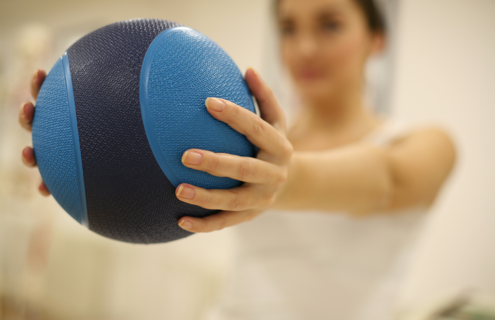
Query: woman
[{"x": 347, "y": 189}]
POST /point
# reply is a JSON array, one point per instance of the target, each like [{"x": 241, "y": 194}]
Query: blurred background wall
[
  {"x": 445, "y": 72},
  {"x": 52, "y": 266},
  {"x": 442, "y": 71}
]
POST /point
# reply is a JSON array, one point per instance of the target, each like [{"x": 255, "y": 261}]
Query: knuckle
[
  {"x": 214, "y": 163},
  {"x": 222, "y": 223},
  {"x": 258, "y": 126},
  {"x": 246, "y": 169},
  {"x": 234, "y": 109},
  {"x": 280, "y": 178},
  {"x": 287, "y": 149},
  {"x": 236, "y": 203},
  {"x": 199, "y": 227},
  {"x": 204, "y": 200}
]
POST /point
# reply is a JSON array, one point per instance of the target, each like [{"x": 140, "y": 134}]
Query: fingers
[
  {"x": 36, "y": 82},
  {"x": 26, "y": 114},
  {"x": 30, "y": 161},
  {"x": 269, "y": 106},
  {"x": 26, "y": 111},
  {"x": 263, "y": 176},
  {"x": 217, "y": 221},
  {"x": 242, "y": 198},
  {"x": 43, "y": 189},
  {"x": 28, "y": 157},
  {"x": 257, "y": 130},
  {"x": 244, "y": 169}
]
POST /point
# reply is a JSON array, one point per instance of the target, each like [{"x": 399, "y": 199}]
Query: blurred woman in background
[{"x": 347, "y": 190}]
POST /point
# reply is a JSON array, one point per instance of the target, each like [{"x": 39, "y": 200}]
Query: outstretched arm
[
  {"x": 357, "y": 179},
  {"x": 363, "y": 178}
]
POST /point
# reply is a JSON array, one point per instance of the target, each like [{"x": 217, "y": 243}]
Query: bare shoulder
[
  {"x": 421, "y": 162},
  {"x": 428, "y": 138}
]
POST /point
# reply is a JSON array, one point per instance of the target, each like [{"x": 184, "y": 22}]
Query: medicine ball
[{"x": 116, "y": 113}]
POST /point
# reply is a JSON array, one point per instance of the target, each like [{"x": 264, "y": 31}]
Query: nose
[{"x": 307, "y": 46}]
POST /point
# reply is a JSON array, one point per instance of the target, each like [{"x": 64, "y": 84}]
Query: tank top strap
[{"x": 388, "y": 132}]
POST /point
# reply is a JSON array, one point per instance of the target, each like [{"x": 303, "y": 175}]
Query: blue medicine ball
[{"x": 116, "y": 113}]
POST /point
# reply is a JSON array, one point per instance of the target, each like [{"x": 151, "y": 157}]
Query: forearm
[{"x": 355, "y": 179}]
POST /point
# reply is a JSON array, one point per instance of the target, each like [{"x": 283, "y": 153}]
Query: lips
[{"x": 307, "y": 75}]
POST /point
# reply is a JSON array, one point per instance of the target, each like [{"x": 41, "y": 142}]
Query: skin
[{"x": 321, "y": 163}]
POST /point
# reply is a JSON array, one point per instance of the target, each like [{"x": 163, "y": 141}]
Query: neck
[{"x": 338, "y": 112}]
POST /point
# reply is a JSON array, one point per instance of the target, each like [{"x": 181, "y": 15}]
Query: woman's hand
[
  {"x": 263, "y": 176},
  {"x": 26, "y": 114}
]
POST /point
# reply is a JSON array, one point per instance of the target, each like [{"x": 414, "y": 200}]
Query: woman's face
[{"x": 325, "y": 45}]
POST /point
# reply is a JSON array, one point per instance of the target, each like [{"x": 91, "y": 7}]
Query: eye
[
  {"x": 330, "y": 26},
  {"x": 287, "y": 29},
  {"x": 286, "y": 26}
]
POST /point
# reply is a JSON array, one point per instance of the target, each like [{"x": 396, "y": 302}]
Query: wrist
[{"x": 286, "y": 196}]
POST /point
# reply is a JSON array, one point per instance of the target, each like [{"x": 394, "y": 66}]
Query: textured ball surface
[
  {"x": 120, "y": 189},
  {"x": 56, "y": 152},
  {"x": 174, "y": 92}
]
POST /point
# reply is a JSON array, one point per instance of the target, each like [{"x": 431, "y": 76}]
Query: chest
[{"x": 319, "y": 141}]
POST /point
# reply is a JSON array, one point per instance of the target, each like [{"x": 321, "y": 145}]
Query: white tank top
[{"x": 310, "y": 265}]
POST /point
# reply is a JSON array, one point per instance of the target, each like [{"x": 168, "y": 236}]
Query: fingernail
[
  {"x": 24, "y": 110},
  {"x": 186, "y": 192},
  {"x": 36, "y": 73},
  {"x": 185, "y": 224},
  {"x": 24, "y": 151},
  {"x": 215, "y": 104},
  {"x": 191, "y": 157},
  {"x": 44, "y": 190},
  {"x": 23, "y": 156},
  {"x": 255, "y": 72}
]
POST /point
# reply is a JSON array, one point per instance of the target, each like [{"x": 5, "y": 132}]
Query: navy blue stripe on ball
[
  {"x": 128, "y": 196},
  {"x": 147, "y": 118},
  {"x": 75, "y": 139}
]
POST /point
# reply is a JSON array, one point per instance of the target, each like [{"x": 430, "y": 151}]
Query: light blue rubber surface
[
  {"x": 180, "y": 70},
  {"x": 54, "y": 131}
]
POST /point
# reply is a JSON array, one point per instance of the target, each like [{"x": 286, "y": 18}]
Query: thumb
[{"x": 270, "y": 109}]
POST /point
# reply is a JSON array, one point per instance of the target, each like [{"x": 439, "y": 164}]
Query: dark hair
[
  {"x": 376, "y": 21},
  {"x": 374, "y": 17}
]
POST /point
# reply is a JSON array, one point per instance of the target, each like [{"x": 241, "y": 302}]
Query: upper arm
[{"x": 419, "y": 165}]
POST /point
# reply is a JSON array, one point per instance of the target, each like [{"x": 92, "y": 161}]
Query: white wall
[
  {"x": 446, "y": 74},
  {"x": 238, "y": 26}
]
